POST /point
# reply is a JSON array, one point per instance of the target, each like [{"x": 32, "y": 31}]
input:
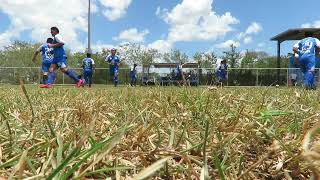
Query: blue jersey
[
  {"x": 222, "y": 70},
  {"x": 114, "y": 60},
  {"x": 46, "y": 53},
  {"x": 87, "y": 64},
  {"x": 58, "y": 52},
  {"x": 317, "y": 62},
  {"x": 307, "y": 46},
  {"x": 133, "y": 72},
  {"x": 179, "y": 69}
]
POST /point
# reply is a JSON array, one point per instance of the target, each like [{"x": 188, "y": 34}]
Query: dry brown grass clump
[{"x": 159, "y": 133}]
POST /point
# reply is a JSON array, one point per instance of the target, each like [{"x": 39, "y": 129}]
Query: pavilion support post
[{"x": 278, "y": 62}]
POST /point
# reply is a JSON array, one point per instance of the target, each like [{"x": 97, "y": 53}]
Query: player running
[
  {"x": 305, "y": 51},
  {"x": 114, "y": 63},
  {"x": 46, "y": 57},
  {"x": 133, "y": 75},
  {"x": 222, "y": 72},
  {"x": 59, "y": 60},
  {"x": 88, "y": 66}
]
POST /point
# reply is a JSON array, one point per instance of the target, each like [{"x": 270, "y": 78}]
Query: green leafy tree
[
  {"x": 205, "y": 60},
  {"x": 134, "y": 53},
  {"x": 175, "y": 56},
  {"x": 19, "y": 54},
  {"x": 232, "y": 56}
]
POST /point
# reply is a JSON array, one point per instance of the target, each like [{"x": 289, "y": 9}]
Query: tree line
[{"x": 19, "y": 54}]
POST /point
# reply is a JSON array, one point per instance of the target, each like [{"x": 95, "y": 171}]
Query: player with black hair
[
  {"x": 46, "y": 57},
  {"x": 59, "y": 60}
]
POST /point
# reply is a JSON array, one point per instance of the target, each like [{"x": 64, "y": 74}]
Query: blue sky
[{"x": 188, "y": 25}]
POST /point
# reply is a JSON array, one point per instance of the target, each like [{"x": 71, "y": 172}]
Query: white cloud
[
  {"x": 158, "y": 11},
  {"x": 227, "y": 44},
  {"x": 247, "y": 40},
  {"x": 70, "y": 17},
  {"x": 132, "y": 35},
  {"x": 241, "y": 35},
  {"x": 161, "y": 45},
  {"x": 115, "y": 9},
  {"x": 161, "y": 13},
  {"x": 254, "y": 28},
  {"x": 5, "y": 38},
  {"x": 191, "y": 21},
  {"x": 307, "y": 25},
  {"x": 315, "y": 24},
  {"x": 99, "y": 46},
  {"x": 94, "y": 6},
  {"x": 260, "y": 45}
]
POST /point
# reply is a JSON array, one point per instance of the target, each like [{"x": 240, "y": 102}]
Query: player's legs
[
  {"x": 308, "y": 67},
  {"x": 51, "y": 76},
  {"x": 45, "y": 78},
  {"x": 311, "y": 68},
  {"x": 132, "y": 81},
  {"x": 52, "y": 73},
  {"x": 90, "y": 78},
  {"x": 135, "y": 81},
  {"x": 45, "y": 72},
  {"x": 115, "y": 77},
  {"x": 85, "y": 77},
  {"x": 52, "y": 70},
  {"x": 64, "y": 68},
  {"x": 111, "y": 74},
  {"x": 132, "y": 78}
]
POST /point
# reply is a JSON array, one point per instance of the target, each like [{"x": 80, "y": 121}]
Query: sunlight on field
[{"x": 118, "y": 132}]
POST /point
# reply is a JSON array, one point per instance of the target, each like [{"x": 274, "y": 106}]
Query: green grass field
[{"x": 158, "y": 133}]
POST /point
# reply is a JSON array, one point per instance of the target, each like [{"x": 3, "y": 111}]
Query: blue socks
[
  {"x": 44, "y": 79},
  {"x": 309, "y": 79},
  {"x": 51, "y": 78},
  {"x": 72, "y": 75}
]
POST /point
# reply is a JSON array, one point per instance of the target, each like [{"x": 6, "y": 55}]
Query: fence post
[
  {"x": 228, "y": 77},
  {"x": 39, "y": 80},
  {"x": 317, "y": 80},
  {"x": 288, "y": 77},
  {"x": 14, "y": 73},
  {"x": 257, "y": 77}
]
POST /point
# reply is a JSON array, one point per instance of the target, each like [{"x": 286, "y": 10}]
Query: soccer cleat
[
  {"x": 46, "y": 86},
  {"x": 80, "y": 83}
]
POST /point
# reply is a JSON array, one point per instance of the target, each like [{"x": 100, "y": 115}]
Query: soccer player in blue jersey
[
  {"x": 179, "y": 71},
  {"x": 114, "y": 63},
  {"x": 222, "y": 72},
  {"x": 88, "y": 69},
  {"x": 305, "y": 51},
  {"x": 46, "y": 57},
  {"x": 59, "y": 60},
  {"x": 133, "y": 75}
]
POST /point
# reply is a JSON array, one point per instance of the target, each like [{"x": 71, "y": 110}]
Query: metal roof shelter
[
  {"x": 172, "y": 65},
  {"x": 291, "y": 35},
  {"x": 146, "y": 70}
]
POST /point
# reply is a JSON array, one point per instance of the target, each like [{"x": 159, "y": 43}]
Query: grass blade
[
  {"x": 115, "y": 139},
  {"x": 149, "y": 171},
  {"x": 171, "y": 139}
]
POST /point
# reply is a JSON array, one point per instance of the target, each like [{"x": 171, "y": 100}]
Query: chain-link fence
[{"x": 236, "y": 76}]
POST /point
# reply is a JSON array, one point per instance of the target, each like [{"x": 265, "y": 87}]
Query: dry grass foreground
[{"x": 159, "y": 133}]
